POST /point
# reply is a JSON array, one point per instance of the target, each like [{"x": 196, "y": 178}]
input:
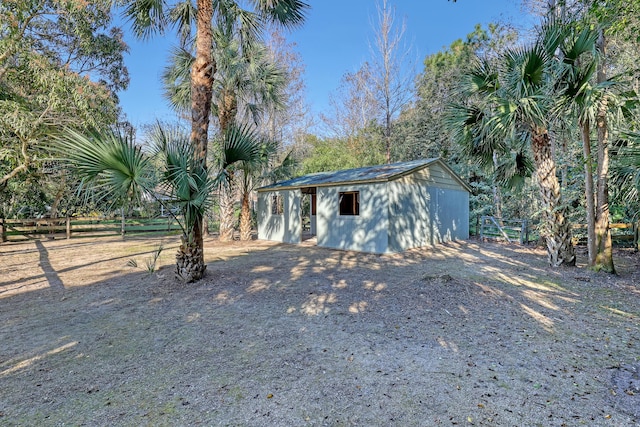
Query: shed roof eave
[
  {"x": 320, "y": 179},
  {"x": 325, "y": 184}
]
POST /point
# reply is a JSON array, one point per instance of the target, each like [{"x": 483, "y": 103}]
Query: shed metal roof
[{"x": 369, "y": 174}]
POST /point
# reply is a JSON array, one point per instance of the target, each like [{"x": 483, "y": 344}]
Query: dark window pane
[{"x": 350, "y": 203}]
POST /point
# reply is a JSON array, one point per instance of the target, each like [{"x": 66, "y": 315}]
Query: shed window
[
  {"x": 350, "y": 203},
  {"x": 277, "y": 205}
]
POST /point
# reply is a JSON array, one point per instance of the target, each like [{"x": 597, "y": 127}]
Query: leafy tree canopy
[{"x": 61, "y": 63}]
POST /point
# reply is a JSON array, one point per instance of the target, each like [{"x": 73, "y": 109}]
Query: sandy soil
[{"x": 468, "y": 333}]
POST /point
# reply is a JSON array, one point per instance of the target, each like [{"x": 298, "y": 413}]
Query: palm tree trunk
[
  {"x": 497, "y": 194},
  {"x": 604, "y": 245},
  {"x": 227, "y": 220},
  {"x": 190, "y": 264},
  {"x": 227, "y": 109},
  {"x": 555, "y": 228},
  {"x": 202, "y": 80},
  {"x": 588, "y": 192},
  {"x": 201, "y": 92},
  {"x": 245, "y": 217}
]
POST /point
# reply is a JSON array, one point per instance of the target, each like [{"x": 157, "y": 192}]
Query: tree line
[{"x": 540, "y": 122}]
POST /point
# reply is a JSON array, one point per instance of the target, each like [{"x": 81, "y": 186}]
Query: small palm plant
[{"x": 112, "y": 167}]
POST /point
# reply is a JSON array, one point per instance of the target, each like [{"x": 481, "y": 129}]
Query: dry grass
[{"x": 459, "y": 334}]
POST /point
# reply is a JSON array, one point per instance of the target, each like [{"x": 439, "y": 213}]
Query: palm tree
[
  {"x": 515, "y": 105},
  {"x": 582, "y": 97},
  {"x": 247, "y": 83},
  {"x": 505, "y": 158},
  {"x": 113, "y": 167},
  {"x": 149, "y": 16}
]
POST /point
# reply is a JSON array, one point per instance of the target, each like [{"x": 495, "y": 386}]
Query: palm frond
[
  {"x": 482, "y": 79},
  {"x": 176, "y": 79},
  {"x": 185, "y": 182},
  {"x": 109, "y": 164},
  {"x": 551, "y": 34},
  {"x": 288, "y": 13},
  {"x": 147, "y": 17},
  {"x": 575, "y": 45},
  {"x": 183, "y": 16},
  {"x": 513, "y": 169},
  {"x": 240, "y": 144},
  {"x": 625, "y": 168},
  {"x": 526, "y": 69}
]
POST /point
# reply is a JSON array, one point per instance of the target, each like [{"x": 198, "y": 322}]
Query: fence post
[
  {"x": 482, "y": 229},
  {"x": 3, "y": 231},
  {"x": 68, "y": 227}
]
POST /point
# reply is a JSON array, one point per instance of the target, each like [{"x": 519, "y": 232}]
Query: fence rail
[
  {"x": 520, "y": 230},
  {"x": 34, "y": 228},
  {"x": 621, "y": 233},
  {"x": 511, "y": 230}
]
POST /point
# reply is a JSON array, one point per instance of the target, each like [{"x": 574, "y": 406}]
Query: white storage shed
[{"x": 378, "y": 209}]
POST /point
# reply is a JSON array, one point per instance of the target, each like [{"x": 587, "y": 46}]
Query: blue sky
[{"x": 334, "y": 40}]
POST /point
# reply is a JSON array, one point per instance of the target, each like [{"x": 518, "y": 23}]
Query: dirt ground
[{"x": 467, "y": 334}]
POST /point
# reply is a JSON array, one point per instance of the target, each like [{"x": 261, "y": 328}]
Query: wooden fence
[
  {"x": 519, "y": 230},
  {"x": 621, "y": 233},
  {"x": 511, "y": 230},
  {"x": 60, "y": 228}
]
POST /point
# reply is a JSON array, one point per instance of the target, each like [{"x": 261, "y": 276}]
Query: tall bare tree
[
  {"x": 290, "y": 122},
  {"x": 354, "y": 105},
  {"x": 392, "y": 81}
]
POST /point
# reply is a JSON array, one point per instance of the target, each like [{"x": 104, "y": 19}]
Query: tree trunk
[
  {"x": 245, "y": 218},
  {"x": 190, "y": 264},
  {"x": 122, "y": 222},
  {"x": 588, "y": 192},
  {"x": 202, "y": 81},
  {"x": 227, "y": 109},
  {"x": 227, "y": 220},
  {"x": 201, "y": 92},
  {"x": 497, "y": 194},
  {"x": 604, "y": 245},
  {"x": 555, "y": 228},
  {"x": 205, "y": 225}
]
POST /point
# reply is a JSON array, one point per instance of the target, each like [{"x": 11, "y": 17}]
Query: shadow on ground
[{"x": 457, "y": 334}]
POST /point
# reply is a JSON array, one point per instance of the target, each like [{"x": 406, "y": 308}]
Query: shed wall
[
  {"x": 366, "y": 232},
  {"x": 425, "y": 208},
  {"x": 409, "y": 216},
  {"x": 286, "y": 228},
  {"x": 435, "y": 176}
]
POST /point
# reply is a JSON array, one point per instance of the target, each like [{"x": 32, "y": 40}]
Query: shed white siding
[
  {"x": 366, "y": 232},
  {"x": 287, "y": 227},
  {"x": 427, "y": 207},
  {"x": 401, "y": 206}
]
